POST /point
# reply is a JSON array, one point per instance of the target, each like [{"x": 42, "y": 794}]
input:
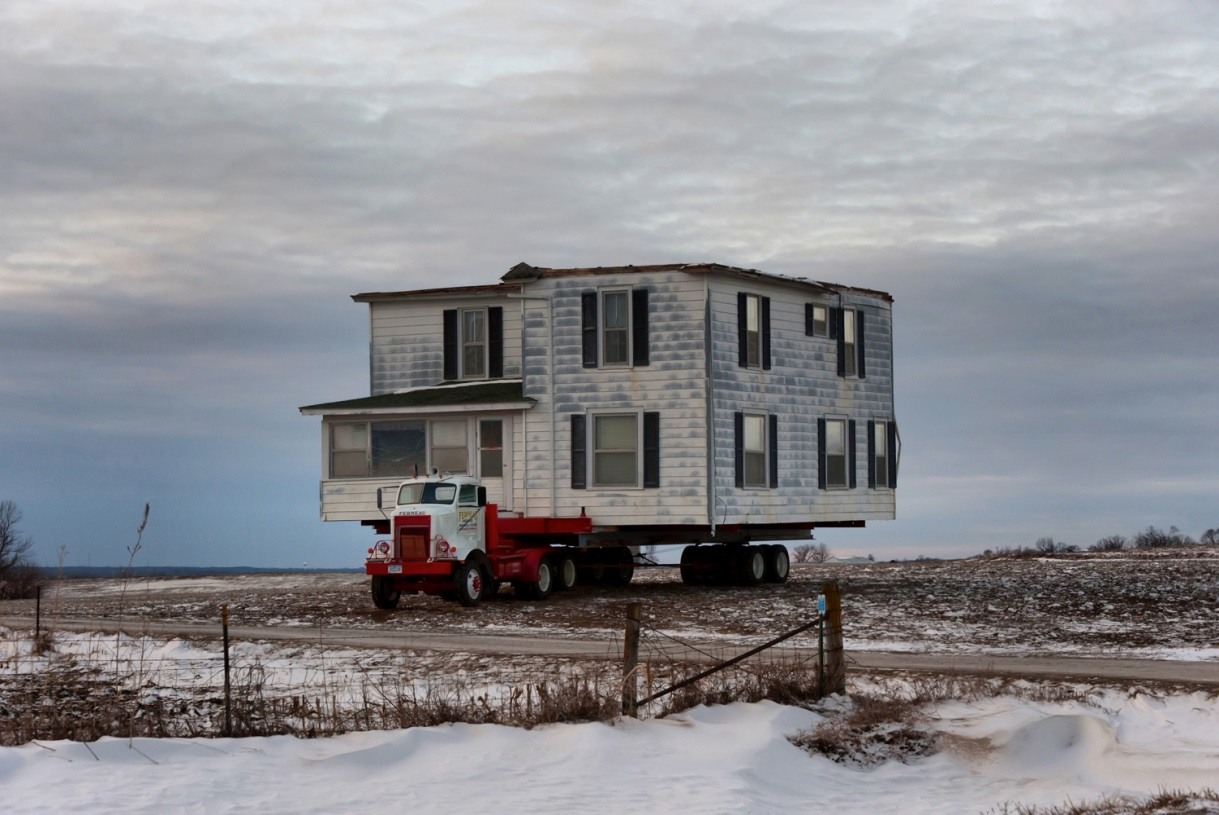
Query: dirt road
[{"x": 1085, "y": 668}]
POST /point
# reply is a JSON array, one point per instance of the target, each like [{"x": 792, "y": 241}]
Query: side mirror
[
  {"x": 379, "y": 502},
  {"x": 482, "y": 496}
]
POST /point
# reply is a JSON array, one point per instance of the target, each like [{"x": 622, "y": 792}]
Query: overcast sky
[{"x": 190, "y": 191}]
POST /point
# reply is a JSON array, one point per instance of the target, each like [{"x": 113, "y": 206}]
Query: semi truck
[{"x": 446, "y": 539}]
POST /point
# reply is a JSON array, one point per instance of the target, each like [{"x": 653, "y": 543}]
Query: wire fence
[{"x": 87, "y": 685}]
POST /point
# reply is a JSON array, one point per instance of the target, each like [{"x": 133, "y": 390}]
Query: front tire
[
  {"x": 470, "y": 583},
  {"x": 384, "y": 595}
]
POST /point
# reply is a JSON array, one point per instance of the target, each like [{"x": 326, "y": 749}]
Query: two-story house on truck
[{"x": 676, "y": 403}]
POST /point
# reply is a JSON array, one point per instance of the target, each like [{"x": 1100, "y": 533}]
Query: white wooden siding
[
  {"x": 672, "y": 384},
  {"x": 801, "y": 386},
  {"x": 407, "y": 345}
]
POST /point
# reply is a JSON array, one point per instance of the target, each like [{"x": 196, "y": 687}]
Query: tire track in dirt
[{"x": 1088, "y": 668}]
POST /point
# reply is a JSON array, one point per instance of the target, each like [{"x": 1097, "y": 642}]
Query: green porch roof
[{"x": 482, "y": 393}]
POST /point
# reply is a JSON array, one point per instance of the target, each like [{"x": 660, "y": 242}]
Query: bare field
[{"x": 1155, "y": 604}]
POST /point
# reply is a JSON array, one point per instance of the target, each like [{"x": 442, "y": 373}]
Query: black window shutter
[
  {"x": 821, "y": 454},
  {"x": 765, "y": 333},
  {"x": 742, "y": 329},
  {"x": 450, "y": 343},
  {"x": 871, "y": 454},
  {"x": 738, "y": 445},
  {"x": 495, "y": 342},
  {"x": 851, "y": 451},
  {"x": 842, "y": 342},
  {"x": 774, "y": 451},
  {"x": 891, "y": 458},
  {"x": 859, "y": 332},
  {"x": 808, "y": 319},
  {"x": 833, "y": 326},
  {"x": 579, "y": 458},
  {"x": 588, "y": 311},
  {"x": 651, "y": 450},
  {"x": 639, "y": 327}
]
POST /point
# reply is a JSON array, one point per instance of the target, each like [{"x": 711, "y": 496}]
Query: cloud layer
[{"x": 191, "y": 190}]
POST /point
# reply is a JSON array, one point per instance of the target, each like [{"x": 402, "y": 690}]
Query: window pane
[
  {"x": 615, "y": 347},
  {"x": 473, "y": 326},
  {"x": 755, "y": 469},
  {"x": 491, "y": 464},
  {"x": 848, "y": 326},
  {"x": 616, "y": 432},
  {"x": 755, "y": 433},
  {"x": 614, "y": 469},
  {"x": 820, "y": 322},
  {"x": 491, "y": 433},
  {"x": 398, "y": 448},
  {"x": 836, "y": 470},
  {"x": 835, "y": 437},
  {"x": 348, "y": 465},
  {"x": 753, "y": 313},
  {"x": 616, "y": 313},
  {"x": 449, "y": 459},
  {"x": 449, "y": 433},
  {"x": 348, "y": 436},
  {"x": 472, "y": 361}
]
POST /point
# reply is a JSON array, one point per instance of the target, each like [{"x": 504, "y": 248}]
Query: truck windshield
[{"x": 428, "y": 493}]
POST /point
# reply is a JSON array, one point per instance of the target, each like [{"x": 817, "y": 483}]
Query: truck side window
[{"x": 468, "y": 495}]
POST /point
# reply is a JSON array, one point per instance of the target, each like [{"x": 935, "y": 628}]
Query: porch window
[
  {"x": 349, "y": 450},
  {"x": 450, "y": 451}
]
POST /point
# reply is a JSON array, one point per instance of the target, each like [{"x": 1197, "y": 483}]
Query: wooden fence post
[
  {"x": 630, "y": 660},
  {"x": 835, "y": 657},
  {"x": 228, "y": 702}
]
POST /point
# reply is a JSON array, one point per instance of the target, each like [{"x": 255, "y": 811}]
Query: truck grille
[{"x": 412, "y": 544}]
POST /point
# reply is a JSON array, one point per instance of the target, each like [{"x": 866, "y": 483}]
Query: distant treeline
[{"x": 1149, "y": 538}]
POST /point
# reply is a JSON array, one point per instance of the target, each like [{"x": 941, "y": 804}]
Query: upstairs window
[
  {"x": 614, "y": 328},
  {"x": 816, "y": 320},
  {"x": 753, "y": 331},
  {"x": 473, "y": 343},
  {"x": 848, "y": 326}
]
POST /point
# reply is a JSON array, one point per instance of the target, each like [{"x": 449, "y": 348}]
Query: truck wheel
[
  {"x": 384, "y": 595},
  {"x": 540, "y": 588},
  {"x": 691, "y": 567},
  {"x": 621, "y": 567},
  {"x": 750, "y": 565},
  {"x": 778, "y": 564},
  {"x": 565, "y": 573},
  {"x": 471, "y": 584}
]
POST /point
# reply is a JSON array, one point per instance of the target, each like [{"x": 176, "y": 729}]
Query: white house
[{"x": 668, "y": 403}]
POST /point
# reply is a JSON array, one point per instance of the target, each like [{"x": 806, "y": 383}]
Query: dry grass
[{"x": 1165, "y": 802}]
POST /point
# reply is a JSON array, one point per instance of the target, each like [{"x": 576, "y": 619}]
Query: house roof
[
  {"x": 500, "y": 394},
  {"x": 523, "y": 273}
]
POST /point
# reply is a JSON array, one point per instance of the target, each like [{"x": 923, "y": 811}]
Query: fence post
[
  {"x": 836, "y": 665},
  {"x": 228, "y": 701},
  {"x": 37, "y": 615},
  {"x": 630, "y": 659}
]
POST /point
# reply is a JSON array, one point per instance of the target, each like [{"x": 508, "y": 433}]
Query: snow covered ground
[
  {"x": 1029, "y": 744},
  {"x": 725, "y": 759}
]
